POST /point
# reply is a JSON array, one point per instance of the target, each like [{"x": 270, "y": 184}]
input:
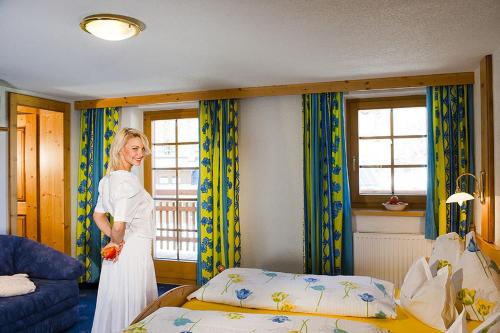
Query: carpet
[{"x": 86, "y": 307}]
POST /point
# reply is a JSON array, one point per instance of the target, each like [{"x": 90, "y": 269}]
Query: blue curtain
[
  {"x": 327, "y": 204},
  {"x": 450, "y": 154}
]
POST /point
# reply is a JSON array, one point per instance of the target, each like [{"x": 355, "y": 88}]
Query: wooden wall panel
[{"x": 487, "y": 150}]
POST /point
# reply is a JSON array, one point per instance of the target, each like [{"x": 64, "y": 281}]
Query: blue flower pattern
[{"x": 280, "y": 319}]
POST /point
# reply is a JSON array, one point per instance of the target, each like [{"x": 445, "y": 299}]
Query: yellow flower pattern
[
  {"x": 484, "y": 307},
  {"x": 233, "y": 278},
  {"x": 348, "y": 286},
  {"x": 234, "y": 315},
  {"x": 287, "y": 306},
  {"x": 279, "y": 297}
]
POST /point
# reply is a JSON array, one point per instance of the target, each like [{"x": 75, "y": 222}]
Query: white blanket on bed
[
  {"x": 170, "y": 320},
  {"x": 358, "y": 296}
]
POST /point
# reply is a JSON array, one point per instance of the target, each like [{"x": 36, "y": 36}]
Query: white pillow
[
  {"x": 490, "y": 325},
  {"x": 460, "y": 324},
  {"x": 430, "y": 299},
  {"x": 357, "y": 296},
  {"x": 480, "y": 276},
  {"x": 447, "y": 251},
  {"x": 14, "y": 285}
]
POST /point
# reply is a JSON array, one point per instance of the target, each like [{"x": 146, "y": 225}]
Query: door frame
[{"x": 16, "y": 100}]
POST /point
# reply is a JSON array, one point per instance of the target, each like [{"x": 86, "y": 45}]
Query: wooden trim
[
  {"x": 487, "y": 150},
  {"x": 150, "y": 116},
  {"x": 389, "y": 102},
  {"x": 489, "y": 249},
  {"x": 16, "y": 100},
  {"x": 171, "y": 114},
  {"x": 4, "y": 128},
  {"x": 175, "y": 297},
  {"x": 289, "y": 89},
  {"x": 352, "y": 106},
  {"x": 377, "y": 212},
  {"x": 175, "y": 271},
  {"x": 179, "y": 272}
]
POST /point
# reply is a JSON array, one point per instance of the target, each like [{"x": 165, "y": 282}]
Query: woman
[{"x": 127, "y": 283}]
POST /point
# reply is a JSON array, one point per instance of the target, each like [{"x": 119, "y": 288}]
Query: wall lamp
[{"x": 459, "y": 196}]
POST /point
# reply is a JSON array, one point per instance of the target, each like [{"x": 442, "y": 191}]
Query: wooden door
[
  {"x": 39, "y": 164},
  {"x": 27, "y": 176},
  {"x": 51, "y": 224}
]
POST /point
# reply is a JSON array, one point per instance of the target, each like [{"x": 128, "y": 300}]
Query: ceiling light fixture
[{"x": 112, "y": 27}]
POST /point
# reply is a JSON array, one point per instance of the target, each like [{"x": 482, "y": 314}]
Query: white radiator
[{"x": 388, "y": 256}]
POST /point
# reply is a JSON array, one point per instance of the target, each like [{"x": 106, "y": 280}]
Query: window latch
[{"x": 354, "y": 164}]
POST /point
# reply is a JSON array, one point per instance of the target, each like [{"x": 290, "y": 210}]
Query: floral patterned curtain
[
  {"x": 218, "y": 191},
  {"x": 327, "y": 205},
  {"x": 451, "y": 153},
  {"x": 97, "y": 130}
]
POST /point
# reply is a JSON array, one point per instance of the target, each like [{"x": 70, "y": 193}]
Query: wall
[
  {"x": 271, "y": 195},
  {"x": 132, "y": 117}
]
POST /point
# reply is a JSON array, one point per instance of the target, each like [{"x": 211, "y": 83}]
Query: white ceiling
[{"x": 211, "y": 44}]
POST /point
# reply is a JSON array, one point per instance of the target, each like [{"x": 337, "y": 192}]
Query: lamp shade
[
  {"x": 112, "y": 27},
  {"x": 459, "y": 198}
]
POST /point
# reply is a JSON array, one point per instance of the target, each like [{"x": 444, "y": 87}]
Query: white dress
[{"x": 127, "y": 286}]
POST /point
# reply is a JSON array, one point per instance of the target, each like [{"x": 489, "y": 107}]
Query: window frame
[
  {"x": 168, "y": 270},
  {"x": 353, "y": 106}
]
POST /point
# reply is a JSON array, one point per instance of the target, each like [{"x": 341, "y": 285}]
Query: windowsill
[{"x": 383, "y": 212}]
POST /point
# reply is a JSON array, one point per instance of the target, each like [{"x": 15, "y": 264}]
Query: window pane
[
  {"x": 188, "y": 156},
  {"x": 410, "y": 151},
  {"x": 374, "y": 151},
  {"x": 187, "y": 129},
  {"x": 188, "y": 183},
  {"x": 163, "y": 156},
  {"x": 374, "y": 122},
  {"x": 166, "y": 235},
  {"x": 374, "y": 180},
  {"x": 164, "y": 183},
  {"x": 410, "y": 121},
  {"x": 164, "y": 131},
  {"x": 410, "y": 180},
  {"x": 188, "y": 234}
]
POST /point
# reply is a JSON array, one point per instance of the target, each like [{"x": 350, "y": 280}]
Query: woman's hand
[{"x": 112, "y": 251}]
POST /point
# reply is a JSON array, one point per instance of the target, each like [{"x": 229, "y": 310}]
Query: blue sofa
[{"x": 53, "y": 307}]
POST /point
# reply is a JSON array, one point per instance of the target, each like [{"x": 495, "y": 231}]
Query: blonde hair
[{"x": 121, "y": 139}]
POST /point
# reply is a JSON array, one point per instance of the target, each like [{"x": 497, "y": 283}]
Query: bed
[{"x": 177, "y": 297}]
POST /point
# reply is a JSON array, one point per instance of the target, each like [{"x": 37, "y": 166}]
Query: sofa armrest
[{"x": 43, "y": 262}]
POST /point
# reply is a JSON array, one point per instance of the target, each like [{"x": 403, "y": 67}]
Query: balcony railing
[{"x": 177, "y": 241}]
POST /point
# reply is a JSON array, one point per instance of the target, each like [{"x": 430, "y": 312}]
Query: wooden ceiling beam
[{"x": 282, "y": 90}]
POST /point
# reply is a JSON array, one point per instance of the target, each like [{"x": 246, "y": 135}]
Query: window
[
  {"x": 171, "y": 175},
  {"x": 387, "y": 150}
]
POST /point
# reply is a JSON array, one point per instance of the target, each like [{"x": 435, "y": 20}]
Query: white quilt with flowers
[
  {"x": 358, "y": 296},
  {"x": 180, "y": 320}
]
